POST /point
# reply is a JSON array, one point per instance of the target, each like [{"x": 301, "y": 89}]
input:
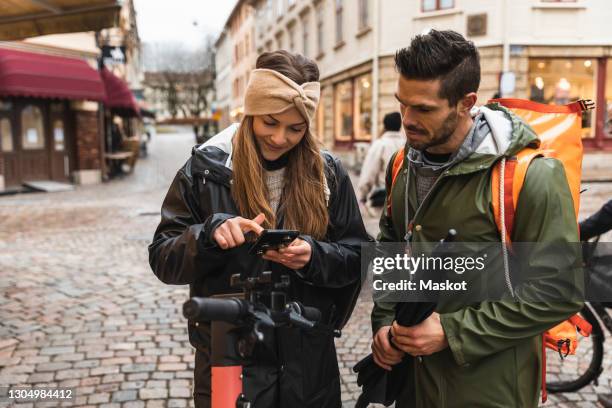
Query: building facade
[
  {"x": 223, "y": 79},
  {"x": 234, "y": 59},
  {"x": 555, "y": 51}
]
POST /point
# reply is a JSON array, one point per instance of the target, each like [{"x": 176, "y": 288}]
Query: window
[
  {"x": 32, "y": 130},
  {"x": 363, "y": 107},
  {"x": 339, "y": 12},
  {"x": 58, "y": 135},
  {"x": 433, "y": 5},
  {"x": 279, "y": 41},
  {"x": 269, "y": 10},
  {"x": 6, "y": 135},
  {"x": 364, "y": 14},
  {"x": 291, "y": 35},
  {"x": 291, "y": 3},
  {"x": 305, "y": 27},
  {"x": 280, "y": 7},
  {"x": 344, "y": 111},
  {"x": 320, "y": 21}
]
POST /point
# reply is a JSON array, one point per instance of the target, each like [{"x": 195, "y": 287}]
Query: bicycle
[{"x": 573, "y": 373}]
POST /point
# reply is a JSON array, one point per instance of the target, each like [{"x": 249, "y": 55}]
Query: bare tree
[{"x": 185, "y": 77}]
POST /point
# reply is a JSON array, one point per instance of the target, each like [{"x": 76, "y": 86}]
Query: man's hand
[
  {"x": 423, "y": 339},
  {"x": 385, "y": 355},
  {"x": 230, "y": 234},
  {"x": 294, "y": 256}
]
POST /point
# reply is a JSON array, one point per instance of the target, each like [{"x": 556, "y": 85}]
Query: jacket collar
[{"x": 213, "y": 159}]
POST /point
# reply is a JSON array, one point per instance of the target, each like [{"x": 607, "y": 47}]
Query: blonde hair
[{"x": 303, "y": 205}]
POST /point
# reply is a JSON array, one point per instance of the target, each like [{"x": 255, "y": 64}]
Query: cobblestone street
[{"x": 80, "y": 307}]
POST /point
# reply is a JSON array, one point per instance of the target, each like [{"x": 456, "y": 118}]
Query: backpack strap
[
  {"x": 507, "y": 181},
  {"x": 514, "y": 177},
  {"x": 398, "y": 162}
]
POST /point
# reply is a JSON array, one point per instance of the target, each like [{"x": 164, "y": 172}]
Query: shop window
[
  {"x": 6, "y": 135},
  {"x": 344, "y": 111},
  {"x": 560, "y": 81},
  {"x": 58, "y": 135},
  {"x": 363, "y": 107},
  {"x": 608, "y": 111},
  {"x": 320, "y": 121},
  {"x": 433, "y": 5},
  {"x": 32, "y": 129}
]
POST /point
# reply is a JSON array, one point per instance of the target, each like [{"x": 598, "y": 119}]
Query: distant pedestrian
[{"x": 375, "y": 164}]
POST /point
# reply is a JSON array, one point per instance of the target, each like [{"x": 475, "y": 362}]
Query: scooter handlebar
[{"x": 208, "y": 309}]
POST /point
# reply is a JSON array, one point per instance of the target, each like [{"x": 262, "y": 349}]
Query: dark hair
[
  {"x": 296, "y": 67},
  {"x": 444, "y": 55},
  {"x": 393, "y": 121}
]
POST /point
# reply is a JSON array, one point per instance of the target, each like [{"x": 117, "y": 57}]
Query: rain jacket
[
  {"x": 493, "y": 358},
  {"x": 302, "y": 371}
]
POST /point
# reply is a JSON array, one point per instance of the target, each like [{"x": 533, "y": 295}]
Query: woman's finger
[
  {"x": 250, "y": 225},
  {"x": 220, "y": 240},
  {"x": 237, "y": 235},
  {"x": 227, "y": 235},
  {"x": 295, "y": 250}
]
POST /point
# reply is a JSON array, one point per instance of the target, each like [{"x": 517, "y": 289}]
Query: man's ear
[{"x": 467, "y": 103}]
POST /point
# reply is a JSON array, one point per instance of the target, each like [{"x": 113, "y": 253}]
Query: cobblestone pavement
[{"x": 80, "y": 308}]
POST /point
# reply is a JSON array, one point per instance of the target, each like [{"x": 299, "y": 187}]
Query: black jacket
[
  {"x": 183, "y": 252},
  {"x": 598, "y": 223}
]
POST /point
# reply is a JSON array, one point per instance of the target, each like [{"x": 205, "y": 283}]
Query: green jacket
[{"x": 494, "y": 353}]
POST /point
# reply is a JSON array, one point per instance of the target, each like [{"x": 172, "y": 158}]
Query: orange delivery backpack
[{"x": 559, "y": 129}]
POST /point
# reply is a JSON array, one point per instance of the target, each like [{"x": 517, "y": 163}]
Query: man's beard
[{"x": 441, "y": 135}]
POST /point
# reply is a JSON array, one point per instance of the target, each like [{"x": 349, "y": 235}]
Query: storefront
[
  {"x": 45, "y": 124},
  {"x": 563, "y": 80}
]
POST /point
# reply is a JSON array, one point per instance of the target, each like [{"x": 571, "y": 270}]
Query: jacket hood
[{"x": 508, "y": 135}]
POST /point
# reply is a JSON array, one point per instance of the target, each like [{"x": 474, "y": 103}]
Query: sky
[{"x": 173, "y": 20}]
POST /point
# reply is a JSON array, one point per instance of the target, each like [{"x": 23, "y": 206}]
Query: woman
[{"x": 233, "y": 184}]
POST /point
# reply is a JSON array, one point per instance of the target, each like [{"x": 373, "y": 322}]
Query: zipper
[{"x": 410, "y": 224}]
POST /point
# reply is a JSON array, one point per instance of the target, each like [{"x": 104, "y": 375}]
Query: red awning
[
  {"x": 48, "y": 76},
  {"x": 118, "y": 94}
]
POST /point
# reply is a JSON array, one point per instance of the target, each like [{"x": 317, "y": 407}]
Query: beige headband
[{"x": 270, "y": 92}]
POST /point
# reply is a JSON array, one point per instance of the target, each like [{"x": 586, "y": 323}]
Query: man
[
  {"x": 470, "y": 355},
  {"x": 373, "y": 169}
]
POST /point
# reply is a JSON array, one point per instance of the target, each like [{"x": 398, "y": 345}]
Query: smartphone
[{"x": 272, "y": 239}]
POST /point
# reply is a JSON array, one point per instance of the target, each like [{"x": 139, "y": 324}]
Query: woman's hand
[
  {"x": 294, "y": 256},
  {"x": 230, "y": 234}
]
